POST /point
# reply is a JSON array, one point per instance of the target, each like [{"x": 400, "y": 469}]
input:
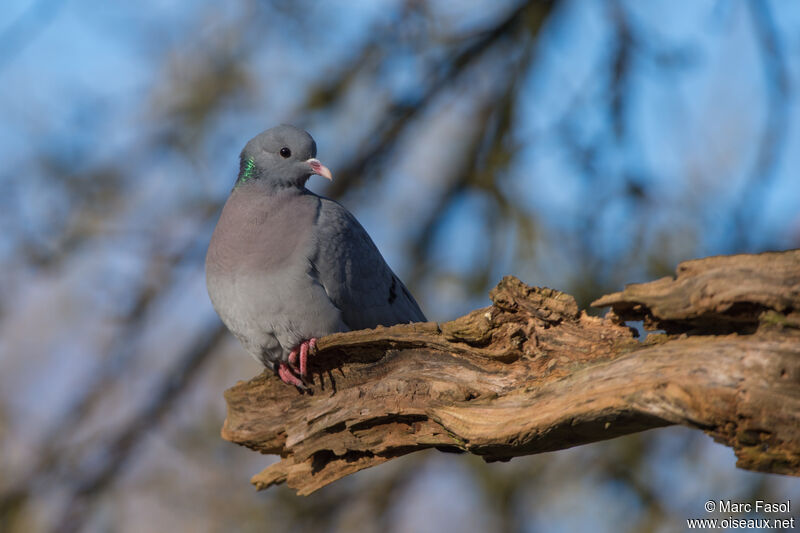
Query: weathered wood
[
  {"x": 532, "y": 373},
  {"x": 713, "y": 294}
]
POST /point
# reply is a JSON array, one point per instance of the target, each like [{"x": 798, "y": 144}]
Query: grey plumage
[{"x": 285, "y": 265}]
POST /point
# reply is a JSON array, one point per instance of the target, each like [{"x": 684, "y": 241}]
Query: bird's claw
[
  {"x": 287, "y": 370},
  {"x": 302, "y": 352},
  {"x": 286, "y": 375}
]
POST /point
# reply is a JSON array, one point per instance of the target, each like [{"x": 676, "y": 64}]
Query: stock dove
[{"x": 286, "y": 266}]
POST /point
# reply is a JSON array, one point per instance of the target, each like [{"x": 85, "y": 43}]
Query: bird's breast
[{"x": 260, "y": 236}]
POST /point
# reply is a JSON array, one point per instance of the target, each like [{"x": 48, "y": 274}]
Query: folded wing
[{"x": 354, "y": 274}]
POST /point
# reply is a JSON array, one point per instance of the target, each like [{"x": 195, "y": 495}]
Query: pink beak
[{"x": 319, "y": 169}]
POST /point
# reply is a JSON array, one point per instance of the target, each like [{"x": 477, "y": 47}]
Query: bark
[{"x": 533, "y": 373}]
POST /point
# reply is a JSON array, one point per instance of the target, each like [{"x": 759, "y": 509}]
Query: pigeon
[{"x": 286, "y": 266}]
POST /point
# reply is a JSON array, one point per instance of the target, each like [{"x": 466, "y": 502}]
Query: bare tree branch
[
  {"x": 533, "y": 373},
  {"x": 112, "y": 458},
  {"x": 447, "y": 74}
]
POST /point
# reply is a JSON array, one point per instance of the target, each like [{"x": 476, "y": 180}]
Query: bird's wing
[{"x": 354, "y": 274}]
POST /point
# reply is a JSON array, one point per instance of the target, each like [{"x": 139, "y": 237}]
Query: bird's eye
[{"x": 285, "y": 152}]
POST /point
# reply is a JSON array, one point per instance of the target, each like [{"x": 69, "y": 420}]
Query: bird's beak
[{"x": 319, "y": 169}]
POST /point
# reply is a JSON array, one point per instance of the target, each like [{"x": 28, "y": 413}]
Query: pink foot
[
  {"x": 301, "y": 352},
  {"x": 306, "y": 348},
  {"x": 287, "y": 377}
]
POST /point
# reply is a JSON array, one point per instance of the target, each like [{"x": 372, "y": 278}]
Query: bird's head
[{"x": 283, "y": 156}]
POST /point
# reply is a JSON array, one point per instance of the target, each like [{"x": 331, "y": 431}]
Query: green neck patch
[{"x": 247, "y": 171}]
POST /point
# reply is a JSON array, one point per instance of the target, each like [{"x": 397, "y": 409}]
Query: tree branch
[{"x": 532, "y": 373}]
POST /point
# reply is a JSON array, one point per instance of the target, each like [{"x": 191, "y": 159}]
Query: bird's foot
[
  {"x": 286, "y": 375},
  {"x": 302, "y": 351}
]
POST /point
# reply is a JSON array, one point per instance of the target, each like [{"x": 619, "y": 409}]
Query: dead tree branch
[{"x": 533, "y": 373}]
